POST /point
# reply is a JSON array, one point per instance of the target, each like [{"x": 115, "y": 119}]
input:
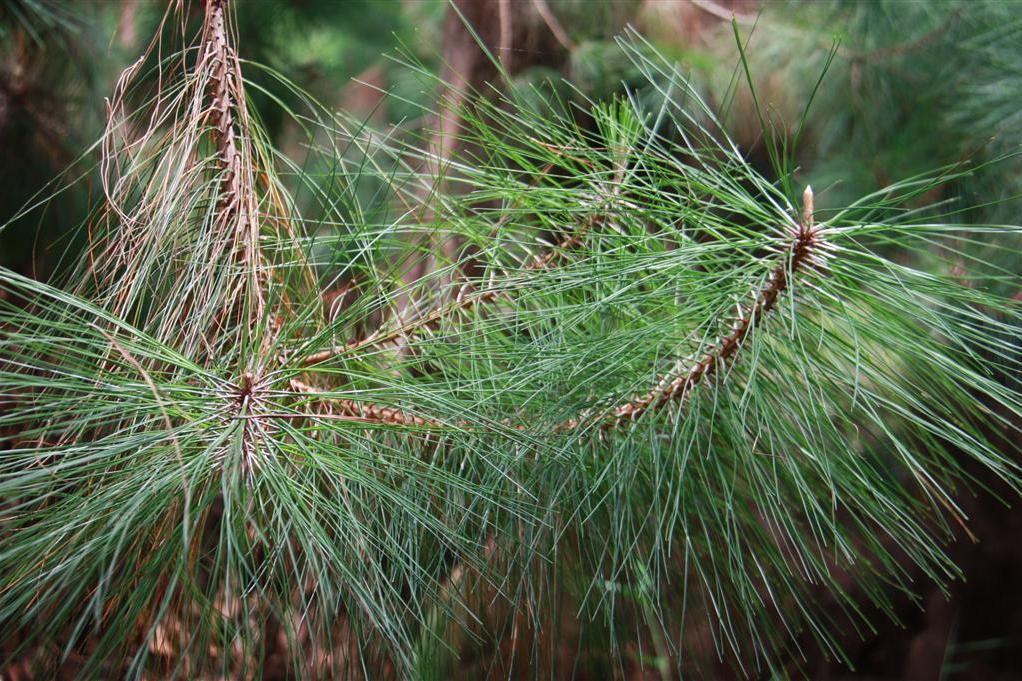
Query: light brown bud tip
[{"x": 807, "y": 207}]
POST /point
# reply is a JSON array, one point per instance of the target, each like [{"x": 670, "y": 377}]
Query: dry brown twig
[{"x": 238, "y": 203}]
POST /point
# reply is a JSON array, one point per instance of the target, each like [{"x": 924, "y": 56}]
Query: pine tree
[{"x": 647, "y": 375}]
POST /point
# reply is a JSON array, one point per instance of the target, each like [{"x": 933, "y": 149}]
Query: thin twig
[
  {"x": 461, "y": 304},
  {"x": 551, "y": 21},
  {"x": 506, "y": 33},
  {"x": 365, "y": 411},
  {"x": 900, "y": 49}
]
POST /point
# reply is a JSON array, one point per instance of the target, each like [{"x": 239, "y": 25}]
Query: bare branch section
[
  {"x": 363, "y": 411},
  {"x": 237, "y": 202},
  {"x": 217, "y": 59}
]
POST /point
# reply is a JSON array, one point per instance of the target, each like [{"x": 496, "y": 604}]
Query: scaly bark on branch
[
  {"x": 676, "y": 388},
  {"x": 237, "y": 200}
]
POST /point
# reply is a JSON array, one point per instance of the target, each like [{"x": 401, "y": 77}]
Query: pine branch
[
  {"x": 174, "y": 369},
  {"x": 803, "y": 251},
  {"x": 462, "y": 303}
]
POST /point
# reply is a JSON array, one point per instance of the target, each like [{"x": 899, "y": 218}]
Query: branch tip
[
  {"x": 800, "y": 255},
  {"x": 808, "y": 207}
]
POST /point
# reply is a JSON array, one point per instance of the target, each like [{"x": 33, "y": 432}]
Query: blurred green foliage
[{"x": 906, "y": 87}]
